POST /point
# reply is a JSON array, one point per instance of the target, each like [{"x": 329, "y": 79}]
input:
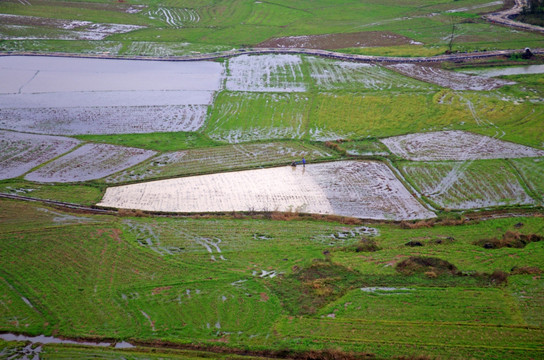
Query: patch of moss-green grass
[
  {"x": 434, "y": 304},
  {"x": 224, "y": 158},
  {"x": 170, "y": 141},
  {"x": 78, "y": 194}
]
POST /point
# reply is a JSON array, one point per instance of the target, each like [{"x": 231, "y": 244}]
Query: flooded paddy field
[
  {"x": 89, "y": 162},
  {"x": 456, "y": 145},
  {"x": 449, "y": 79},
  {"x": 92, "y": 96},
  {"x": 347, "y": 188},
  {"x": 22, "y": 152}
]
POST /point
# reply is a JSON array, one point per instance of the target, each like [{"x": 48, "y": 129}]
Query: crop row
[
  {"x": 467, "y": 185},
  {"x": 221, "y": 158}
]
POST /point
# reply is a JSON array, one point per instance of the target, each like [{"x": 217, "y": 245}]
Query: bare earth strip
[
  {"x": 455, "y": 145},
  {"x": 22, "y": 152},
  {"x": 67, "y": 29},
  {"x": 449, "y": 79},
  {"x": 347, "y": 188},
  {"x": 91, "y": 161}
]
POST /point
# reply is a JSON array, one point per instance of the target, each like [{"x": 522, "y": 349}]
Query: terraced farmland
[
  {"x": 240, "y": 117},
  {"x": 22, "y": 152},
  {"x": 105, "y": 97},
  {"x": 455, "y": 145},
  {"x": 223, "y": 158},
  {"x": 268, "y": 73},
  {"x": 414, "y": 230},
  {"x": 89, "y": 162},
  {"x": 531, "y": 171},
  {"x": 356, "y": 189},
  {"x": 337, "y": 75},
  {"x": 467, "y": 185}
]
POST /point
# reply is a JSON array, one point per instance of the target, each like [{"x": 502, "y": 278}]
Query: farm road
[
  {"x": 505, "y": 17},
  {"x": 312, "y": 52}
]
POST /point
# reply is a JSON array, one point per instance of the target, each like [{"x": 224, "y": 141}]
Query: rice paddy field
[{"x": 269, "y": 206}]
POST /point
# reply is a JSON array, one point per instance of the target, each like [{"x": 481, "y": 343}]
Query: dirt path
[
  {"x": 312, "y": 52},
  {"x": 505, "y": 17}
]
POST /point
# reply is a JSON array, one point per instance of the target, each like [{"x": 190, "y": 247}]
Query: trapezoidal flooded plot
[
  {"x": 363, "y": 189},
  {"x": 71, "y": 96}
]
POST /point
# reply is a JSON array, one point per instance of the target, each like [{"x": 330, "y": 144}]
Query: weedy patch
[
  {"x": 511, "y": 239},
  {"x": 308, "y": 289},
  {"x": 427, "y": 265}
]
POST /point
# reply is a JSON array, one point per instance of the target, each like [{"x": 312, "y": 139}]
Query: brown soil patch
[
  {"x": 158, "y": 290},
  {"x": 264, "y": 296},
  {"x": 338, "y": 41}
]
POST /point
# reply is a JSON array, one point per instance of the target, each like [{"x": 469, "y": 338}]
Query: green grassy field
[
  {"x": 219, "y": 25},
  {"x": 239, "y": 282}
]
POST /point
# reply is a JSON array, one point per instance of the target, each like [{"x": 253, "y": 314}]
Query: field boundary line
[
  {"x": 284, "y": 51},
  {"x": 524, "y": 183}
]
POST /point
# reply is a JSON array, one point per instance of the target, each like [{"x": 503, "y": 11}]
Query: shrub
[
  {"x": 498, "y": 277},
  {"x": 511, "y": 239},
  {"x": 420, "y": 264},
  {"x": 526, "y": 270},
  {"x": 366, "y": 245}
]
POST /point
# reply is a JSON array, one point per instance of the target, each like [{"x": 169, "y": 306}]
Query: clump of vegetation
[
  {"x": 308, "y": 289},
  {"x": 426, "y": 265},
  {"x": 335, "y": 145},
  {"x": 414, "y": 243},
  {"x": 525, "y": 270},
  {"x": 498, "y": 277},
  {"x": 366, "y": 245},
  {"x": 511, "y": 239},
  {"x": 417, "y": 224}
]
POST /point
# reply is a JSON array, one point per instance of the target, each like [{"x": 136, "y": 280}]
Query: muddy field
[
  {"x": 347, "y": 188},
  {"x": 449, "y": 79},
  {"x": 338, "y": 41},
  {"x": 455, "y": 145},
  {"x": 18, "y": 27},
  {"x": 22, "y": 152},
  {"x": 89, "y": 162}
]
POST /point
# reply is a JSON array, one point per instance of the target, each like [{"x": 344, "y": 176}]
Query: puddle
[
  {"x": 42, "y": 339},
  {"x": 518, "y": 70},
  {"x": 389, "y": 290}
]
